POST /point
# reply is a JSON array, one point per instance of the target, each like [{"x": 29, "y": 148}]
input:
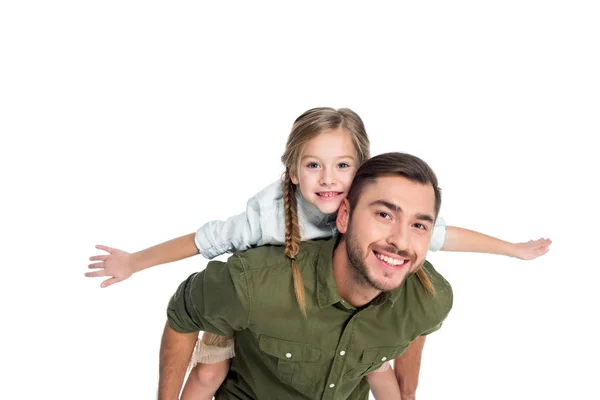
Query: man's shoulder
[
  {"x": 433, "y": 308},
  {"x": 269, "y": 256},
  {"x": 261, "y": 257},
  {"x": 307, "y": 249},
  {"x": 442, "y": 286}
]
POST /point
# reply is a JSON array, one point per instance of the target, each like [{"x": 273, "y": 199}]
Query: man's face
[{"x": 388, "y": 231}]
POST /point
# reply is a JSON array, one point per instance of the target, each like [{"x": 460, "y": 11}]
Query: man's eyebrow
[
  {"x": 425, "y": 217},
  {"x": 387, "y": 204},
  {"x": 397, "y": 210}
]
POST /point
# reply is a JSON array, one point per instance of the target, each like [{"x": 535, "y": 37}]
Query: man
[{"x": 365, "y": 302}]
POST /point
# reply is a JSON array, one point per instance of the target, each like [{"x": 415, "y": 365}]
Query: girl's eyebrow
[{"x": 340, "y": 157}]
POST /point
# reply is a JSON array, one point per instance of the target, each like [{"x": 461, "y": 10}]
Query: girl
[{"x": 323, "y": 151}]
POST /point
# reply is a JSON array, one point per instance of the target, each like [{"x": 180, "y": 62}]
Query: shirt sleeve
[
  {"x": 431, "y": 330},
  {"x": 438, "y": 236},
  {"x": 239, "y": 232},
  {"x": 215, "y": 300},
  {"x": 438, "y": 306}
]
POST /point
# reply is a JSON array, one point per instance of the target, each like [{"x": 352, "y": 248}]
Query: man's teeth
[{"x": 390, "y": 260}]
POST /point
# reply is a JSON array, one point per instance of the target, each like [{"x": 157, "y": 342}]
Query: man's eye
[
  {"x": 384, "y": 215},
  {"x": 420, "y": 226}
]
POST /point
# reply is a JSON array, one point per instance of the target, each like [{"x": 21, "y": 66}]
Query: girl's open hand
[
  {"x": 117, "y": 264},
  {"x": 532, "y": 249}
]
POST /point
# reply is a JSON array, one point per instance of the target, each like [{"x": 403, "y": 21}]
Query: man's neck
[{"x": 351, "y": 289}]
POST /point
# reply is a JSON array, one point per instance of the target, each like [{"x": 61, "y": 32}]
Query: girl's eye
[
  {"x": 344, "y": 165},
  {"x": 312, "y": 165}
]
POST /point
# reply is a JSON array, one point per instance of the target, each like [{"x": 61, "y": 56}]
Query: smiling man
[{"x": 370, "y": 297}]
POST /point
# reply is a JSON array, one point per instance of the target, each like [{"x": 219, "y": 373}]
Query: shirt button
[
  {"x": 342, "y": 353},
  {"x": 332, "y": 385},
  {"x": 289, "y": 355},
  {"x": 384, "y": 358}
]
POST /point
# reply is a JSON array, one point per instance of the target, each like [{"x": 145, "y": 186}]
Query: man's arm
[
  {"x": 175, "y": 352},
  {"x": 407, "y": 368},
  {"x": 205, "y": 301}
]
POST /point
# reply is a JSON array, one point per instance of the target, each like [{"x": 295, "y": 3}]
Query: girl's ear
[
  {"x": 293, "y": 177},
  {"x": 343, "y": 217}
]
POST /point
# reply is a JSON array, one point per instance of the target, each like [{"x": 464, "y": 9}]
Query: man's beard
[
  {"x": 359, "y": 269},
  {"x": 358, "y": 266}
]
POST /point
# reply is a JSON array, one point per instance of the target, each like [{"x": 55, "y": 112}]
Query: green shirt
[{"x": 282, "y": 355}]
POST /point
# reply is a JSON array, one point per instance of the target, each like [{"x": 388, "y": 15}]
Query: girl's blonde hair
[{"x": 307, "y": 126}]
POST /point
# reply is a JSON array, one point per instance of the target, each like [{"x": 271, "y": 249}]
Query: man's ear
[{"x": 343, "y": 217}]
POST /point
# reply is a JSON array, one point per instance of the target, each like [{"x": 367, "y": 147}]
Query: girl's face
[{"x": 325, "y": 170}]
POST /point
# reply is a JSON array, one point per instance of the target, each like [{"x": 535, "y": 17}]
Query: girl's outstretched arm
[
  {"x": 460, "y": 239},
  {"x": 384, "y": 385},
  {"x": 119, "y": 265},
  {"x": 214, "y": 238}
]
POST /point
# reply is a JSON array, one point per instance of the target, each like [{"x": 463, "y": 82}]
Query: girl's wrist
[
  {"x": 137, "y": 262},
  {"x": 511, "y": 249}
]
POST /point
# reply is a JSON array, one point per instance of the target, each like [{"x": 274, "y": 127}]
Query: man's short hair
[{"x": 394, "y": 164}]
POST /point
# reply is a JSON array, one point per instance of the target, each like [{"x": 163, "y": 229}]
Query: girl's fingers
[
  {"x": 98, "y": 258},
  {"x": 105, "y": 248},
  {"x": 95, "y": 274},
  {"x": 109, "y": 282}
]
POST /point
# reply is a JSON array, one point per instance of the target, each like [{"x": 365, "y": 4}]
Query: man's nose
[{"x": 398, "y": 236}]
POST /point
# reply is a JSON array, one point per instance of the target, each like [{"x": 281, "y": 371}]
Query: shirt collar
[{"x": 327, "y": 291}]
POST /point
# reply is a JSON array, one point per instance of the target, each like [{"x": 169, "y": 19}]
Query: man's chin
[{"x": 387, "y": 285}]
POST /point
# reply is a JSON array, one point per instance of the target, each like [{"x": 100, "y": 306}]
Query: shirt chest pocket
[
  {"x": 372, "y": 359},
  {"x": 295, "y": 362}
]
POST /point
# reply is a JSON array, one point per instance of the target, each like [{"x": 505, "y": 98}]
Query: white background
[{"x": 128, "y": 123}]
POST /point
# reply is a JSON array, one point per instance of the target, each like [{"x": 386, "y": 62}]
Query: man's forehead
[{"x": 400, "y": 191}]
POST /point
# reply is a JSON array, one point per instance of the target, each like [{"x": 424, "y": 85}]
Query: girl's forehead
[{"x": 331, "y": 143}]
